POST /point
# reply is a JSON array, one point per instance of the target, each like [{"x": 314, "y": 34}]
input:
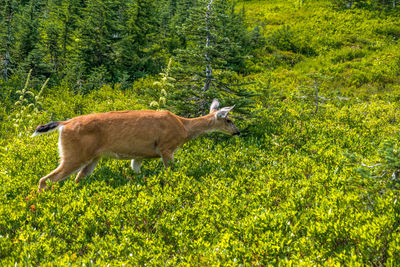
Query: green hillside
[{"x": 312, "y": 180}]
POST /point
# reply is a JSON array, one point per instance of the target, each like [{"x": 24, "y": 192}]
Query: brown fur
[{"x": 127, "y": 135}]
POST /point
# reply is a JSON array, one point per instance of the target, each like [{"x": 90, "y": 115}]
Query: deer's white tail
[{"x": 47, "y": 128}]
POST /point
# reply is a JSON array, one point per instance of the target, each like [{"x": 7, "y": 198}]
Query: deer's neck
[{"x": 198, "y": 126}]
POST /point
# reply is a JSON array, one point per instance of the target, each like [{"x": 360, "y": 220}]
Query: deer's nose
[{"x": 236, "y": 133}]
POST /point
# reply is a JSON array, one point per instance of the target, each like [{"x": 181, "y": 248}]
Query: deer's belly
[{"x": 130, "y": 154}]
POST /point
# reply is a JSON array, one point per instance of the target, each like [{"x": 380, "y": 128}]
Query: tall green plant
[
  {"x": 27, "y": 105},
  {"x": 164, "y": 85}
]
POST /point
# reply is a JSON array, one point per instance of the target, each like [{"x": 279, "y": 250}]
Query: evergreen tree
[
  {"x": 217, "y": 44},
  {"x": 176, "y": 15},
  {"x": 57, "y": 26},
  {"x": 115, "y": 40},
  {"x": 136, "y": 50},
  {"x": 26, "y": 50},
  {"x": 94, "y": 36}
]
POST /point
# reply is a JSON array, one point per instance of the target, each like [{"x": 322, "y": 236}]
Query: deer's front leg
[{"x": 136, "y": 164}]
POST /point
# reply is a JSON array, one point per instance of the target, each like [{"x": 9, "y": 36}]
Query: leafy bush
[
  {"x": 348, "y": 54},
  {"x": 391, "y": 31},
  {"x": 286, "y": 39}
]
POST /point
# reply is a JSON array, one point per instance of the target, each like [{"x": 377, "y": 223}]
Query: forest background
[{"x": 314, "y": 178}]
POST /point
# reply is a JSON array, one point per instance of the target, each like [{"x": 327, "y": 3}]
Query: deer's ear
[
  {"x": 223, "y": 112},
  {"x": 214, "y": 105}
]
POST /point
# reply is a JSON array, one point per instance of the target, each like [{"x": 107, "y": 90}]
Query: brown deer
[{"x": 134, "y": 135}]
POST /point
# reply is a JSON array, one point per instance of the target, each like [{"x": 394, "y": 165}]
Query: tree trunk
[{"x": 208, "y": 78}]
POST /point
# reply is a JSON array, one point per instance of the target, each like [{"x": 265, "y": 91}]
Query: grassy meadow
[{"x": 312, "y": 181}]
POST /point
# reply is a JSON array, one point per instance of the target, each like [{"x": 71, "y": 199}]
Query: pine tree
[
  {"x": 217, "y": 44},
  {"x": 94, "y": 36},
  {"x": 137, "y": 50},
  {"x": 26, "y": 50},
  {"x": 114, "y": 41},
  {"x": 57, "y": 26}
]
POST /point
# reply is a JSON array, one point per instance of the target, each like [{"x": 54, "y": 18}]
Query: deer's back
[{"x": 127, "y": 134}]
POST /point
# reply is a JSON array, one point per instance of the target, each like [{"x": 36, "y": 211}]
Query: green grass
[
  {"x": 357, "y": 49},
  {"x": 293, "y": 191}
]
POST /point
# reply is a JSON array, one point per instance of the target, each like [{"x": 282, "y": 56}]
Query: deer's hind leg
[
  {"x": 61, "y": 172},
  {"x": 74, "y": 156}
]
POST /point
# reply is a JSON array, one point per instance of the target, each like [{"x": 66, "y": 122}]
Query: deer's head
[{"x": 223, "y": 122}]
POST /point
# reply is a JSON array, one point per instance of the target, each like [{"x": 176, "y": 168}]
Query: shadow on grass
[{"x": 115, "y": 175}]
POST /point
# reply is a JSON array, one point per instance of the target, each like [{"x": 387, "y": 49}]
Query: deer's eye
[{"x": 229, "y": 121}]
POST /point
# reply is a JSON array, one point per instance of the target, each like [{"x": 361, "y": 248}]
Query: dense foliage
[
  {"x": 313, "y": 180},
  {"x": 87, "y": 43}
]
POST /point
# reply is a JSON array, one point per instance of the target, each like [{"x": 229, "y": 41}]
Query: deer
[{"x": 128, "y": 135}]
